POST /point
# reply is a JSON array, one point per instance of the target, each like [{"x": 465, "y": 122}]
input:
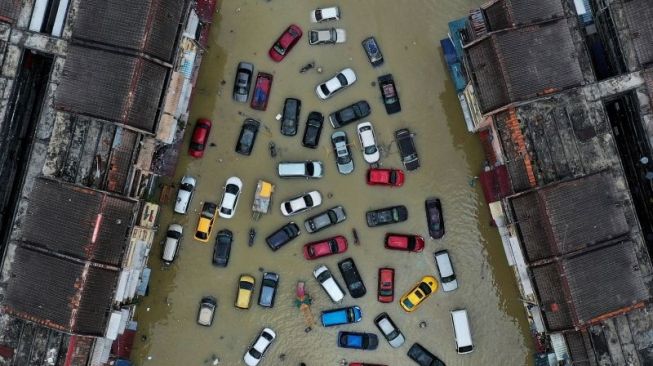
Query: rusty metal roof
[
  {"x": 639, "y": 14},
  {"x": 503, "y": 14}
]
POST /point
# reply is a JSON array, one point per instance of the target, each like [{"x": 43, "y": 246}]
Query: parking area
[{"x": 449, "y": 158}]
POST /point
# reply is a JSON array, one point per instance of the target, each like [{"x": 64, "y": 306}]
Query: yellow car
[
  {"x": 245, "y": 290},
  {"x": 420, "y": 292},
  {"x": 205, "y": 225}
]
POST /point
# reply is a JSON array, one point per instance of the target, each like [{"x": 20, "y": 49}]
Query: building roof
[
  {"x": 148, "y": 26},
  {"x": 110, "y": 86},
  {"x": 639, "y": 13},
  {"x": 519, "y": 64},
  {"x": 503, "y": 14}
]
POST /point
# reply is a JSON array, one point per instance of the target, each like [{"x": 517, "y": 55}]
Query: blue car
[
  {"x": 348, "y": 315},
  {"x": 357, "y": 340}
]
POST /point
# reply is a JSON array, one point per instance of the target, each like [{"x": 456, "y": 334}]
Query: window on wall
[{"x": 48, "y": 16}]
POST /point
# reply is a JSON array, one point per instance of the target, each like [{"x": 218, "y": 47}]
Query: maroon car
[
  {"x": 317, "y": 249},
  {"x": 405, "y": 242},
  {"x": 285, "y": 43},
  {"x": 200, "y": 137},
  {"x": 385, "y": 177},
  {"x": 261, "y": 93},
  {"x": 386, "y": 292}
]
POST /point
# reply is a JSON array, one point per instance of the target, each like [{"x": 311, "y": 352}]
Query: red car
[
  {"x": 386, "y": 291},
  {"x": 285, "y": 43},
  {"x": 317, "y": 249},
  {"x": 385, "y": 177},
  {"x": 261, "y": 93},
  {"x": 200, "y": 137},
  {"x": 409, "y": 243}
]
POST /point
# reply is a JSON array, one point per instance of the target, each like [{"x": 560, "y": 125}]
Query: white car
[
  {"x": 301, "y": 203},
  {"x": 342, "y": 80},
  {"x": 327, "y": 36},
  {"x": 230, "y": 196},
  {"x": 171, "y": 244},
  {"x": 329, "y": 284},
  {"x": 185, "y": 194},
  {"x": 325, "y": 14},
  {"x": 257, "y": 350},
  {"x": 368, "y": 141}
]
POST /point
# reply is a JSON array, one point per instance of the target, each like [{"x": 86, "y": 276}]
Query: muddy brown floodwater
[{"x": 408, "y": 32}]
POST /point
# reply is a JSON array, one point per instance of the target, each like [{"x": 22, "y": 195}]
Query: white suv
[
  {"x": 329, "y": 284},
  {"x": 185, "y": 194}
]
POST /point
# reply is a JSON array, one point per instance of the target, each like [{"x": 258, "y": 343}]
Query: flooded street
[{"x": 409, "y": 37}]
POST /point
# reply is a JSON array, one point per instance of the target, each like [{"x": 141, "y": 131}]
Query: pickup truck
[{"x": 348, "y": 315}]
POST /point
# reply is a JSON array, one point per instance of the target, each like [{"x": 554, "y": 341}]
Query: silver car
[
  {"x": 243, "y": 81},
  {"x": 343, "y": 155},
  {"x": 325, "y": 219},
  {"x": 389, "y": 330}
]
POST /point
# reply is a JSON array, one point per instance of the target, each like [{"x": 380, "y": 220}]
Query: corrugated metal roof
[
  {"x": 534, "y": 11},
  {"x": 639, "y": 14},
  {"x": 498, "y": 16},
  {"x": 548, "y": 285}
]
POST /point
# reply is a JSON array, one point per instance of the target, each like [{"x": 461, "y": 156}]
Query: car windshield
[
  {"x": 448, "y": 278},
  {"x": 231, "y": 188},
  {"x": 425, "y": 287},
  {"x": 173, "y": 234},
  {"x": 256, "y": 354},
  {"x": 201, "y": 235},
  {"x": 385, "y": 292},
  {"x": 287, "y": 206},
  {"x": 186, "y": 187},
  {"x": 314, "y": 36},
  {"x": 411, "y": 243},
  {"x": 332, "y": 217},
  {"x": 269, "y": 283},
  {"x": 246, "y": 285},
  {"x": 318, "y": 14},
  {"x": 277, "y": 47},
  {"x": 225, "y": 210},
  {"x": 408, "y": 304},
  {"x": 370, "y": 150},
  {"x": 196, "y": 146},
  {"x": 342, "y": 79},
  {"x": 344, "y": 159},
  {"x": 393, "y": 177},
  {"x": 324, "y": 89},
  {"x": 308, "y": 201},
  {"x": 309, "y": 168},
  {"x": 324, "y": 276},
  {"x": 333, "y": 246}
]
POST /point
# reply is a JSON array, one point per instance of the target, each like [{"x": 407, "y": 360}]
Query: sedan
[
  {"x": 408, "y": 243},
  {"x": 313, "y": 130},
  {"x": 389, "y": 330},
  {"x": 434, "y": 218},
  {"x": 352, "y": 278},
  {"x": 349, "y": 114},
  {"x": 257, "y": 350},
  {"x": 323, "y": 248},
  {"x": 385, "y": 177},
  {"x": 386, "y": 289},
  {"x": 205, "y": 314},
  {"x": 290, "y": 116},
  {"x": 285, "y": 43},
  {"x": 330, "y": 217},
  {"x": 282, "y": 236},
  {"x": 386, "y": 216},
  {"x": 200, "y": 137},
  {"x": 420, "y": 292},
  {"x": 423, "y": 357},
  {"x": 205, "y": 223},
  {"x": 327, "y": 36},
  {"x": 245, "y": 290},
  {"x": 343, "y": 155},
  {"x": 262, "y": 89},
  {"x": 222, "y": 248},
  {"x": 368, "y": 142},
  {"x": 340, "y": 81},
  {"x": 358, "y": 340},
  {"x": 230, "y": 196},
  {"x": 373, "y": 51},
  {"x": 244, "y": 75},
  {"x": 268, "y": 289},
  {"x": 247, "y": 136},
  {"x": 325, "y": 14},
  {"x": 389, "y": 94},
  {"x": 301, "y": 203}
]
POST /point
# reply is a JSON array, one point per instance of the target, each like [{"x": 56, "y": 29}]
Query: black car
[
  {"x": 387, "y": 215},
  {"x": 268, "y": 289},
  {"x": 407, "y": 149},
  {"x": 389, "y": 94},
  {"x": 373, "y": 51},
  {"x": 349, "y": 114},
  {"x": 247, "y": 136},
  {"x": 243, "y": 81},
  {"x": 313, "y": 130},
  {"x": 290, "y": 116},
  {"x": 423, "y": 357},
  {"x": 282, "y": 236},
  {"x": 352, "y": 278},
  {"x": 222, "y": 248},
  {"x": 434, "y": 218}
]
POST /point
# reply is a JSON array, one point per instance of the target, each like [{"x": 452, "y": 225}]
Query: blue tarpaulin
[{"x": 455, "y": 27}]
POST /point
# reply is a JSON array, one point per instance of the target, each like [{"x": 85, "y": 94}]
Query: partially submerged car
[
  {"x": 407, "y": 150},
  {"x": 171, "y": 243},
  {"x": 423, "y": 357},
  {"x": 389, "y": 94},
  {"x": 262, "y": 89},
  {"x": 348, "y": 315},
  {"x": 222, "y": 248},
  {"x": 340, "y": 143},
  {"x": 386, "y": 285},
  {"x": 268, "y": 289},
  {"x": 323, "y": 275},
  {"x": 445, "y": 270},
  {"x": 245, "y": 290},
  {"x": 185, "y": 194},
  {"x": 325, "y": 219},
  {"x": 341, "y": 80},
  {"x": 349, "y": 114},
  {"x": 420, "y": 292},
  {"x": 327, "y": 36},
  {"x": 247, "y": 136},
  {"x": 206, "y": 312},
  {"x": 200, "y": 138},
  {"x": 434, "y": 218},
  {"x": 373, "y": 51},
  {"x": 300, "y": 169},
  {"x": 257, "y": 350},
  {"x": 358, "y": 340},
  {"x": 290, "y": 116},
  {"x": 244, "y": 75},
  {"x": 389, "y": 330},
  {"x": 405, "y": 242},
  {"x": 368, "y": 142},
  {"x": 325, "y": 14},
  {"x": 313, "y": 130},
  {"x": 352, "y": 278},
  {"x": 325, "y": 247},
  {"x": 386, "y": 215},
  {"x": 205, "y": 222},
  {"x": 385, "y": 177},
  {"x": 286, "y": 41},
  {"x": 301, "y": 203},
  {"x": 282, "y": 236},
  {"x": 230, "y": 196}
]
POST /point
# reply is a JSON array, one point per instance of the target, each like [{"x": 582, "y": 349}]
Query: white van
[
  {"x": 445, "y": 270},
  {"x": 462, "y": 333},
  {"x": 185, "y": 194},
  {"x": 171, "y": 244},
  {"x": 329, "y": 284},
  {"x": 300, "y": 169}
]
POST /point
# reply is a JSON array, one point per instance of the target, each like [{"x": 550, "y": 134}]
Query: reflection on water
[{"x": 450, "y": 157}]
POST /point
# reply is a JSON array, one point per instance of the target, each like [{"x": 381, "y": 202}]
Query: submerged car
[
  {"x": 268, "y": 289},
  {"x": 327, "y": 36},
  {"x": 206, "y": 220},
  {"x": 301, "y": 203},
  {"x": 389, "y": 94},
  {"x": 244, "y": 75},
  {"x": 358, "y": 340},
  {"x": 222, "y": 248},
  {"x": 420, "y": 292},
  {"x": 434, "y": 218},
  {"x": 325, "y": 14},
  {"x": 200, "y": 137},
  {"x": 171, "y": 243},
  {"x": 247, "y": 136},
  {"x": 206, "y": 312},
  {"x": 290, "y": 116},
  {"x": 341, "y": 80},
  {"x": 325, "y": 219},
  {"x": 257, "y": 350},
  {"x": 349, "y": 114},
  {"x": 185, "y": 194},
  {"x": 340, "y": 143},
  {"x": 389, "y": 330},
  {"x": 352, "y": 278},
  {"x": 386, "y": 215},
  {"x": 407, "y": 150},
  {"x": 368, "y": 142},
  {"x": 282, "y": 236},
  {"x": 261, "y": 93},
  {"x": 313, "y": 130},
  {"x": 230, "y": 196},
  {"x": 445, "y": 271},
  {"x": 348, "y": 315},
  {"x": 323, "y": 275},
  {"x": 373, "y": 51},
  {"x": 285, "y": 43},
  {"x": 323, "y": 248},
  {"x": 386, "y": 285},
  {"x": 408, "y": 243},
  {"x": 300, "y": 169},
  {"x": 385, "y": 177},
  {"x": 245, "y": 290},
  {"x": 423, "y": 357}
]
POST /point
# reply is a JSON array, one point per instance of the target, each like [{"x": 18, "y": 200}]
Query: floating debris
[
  {"x": 273, "y": 150},
  {"x": 252, "y": 235},
  {"x": 307, "y": 67},
  {"x": 355, "y": 233},
  {"x": 423, "y": 324}
]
